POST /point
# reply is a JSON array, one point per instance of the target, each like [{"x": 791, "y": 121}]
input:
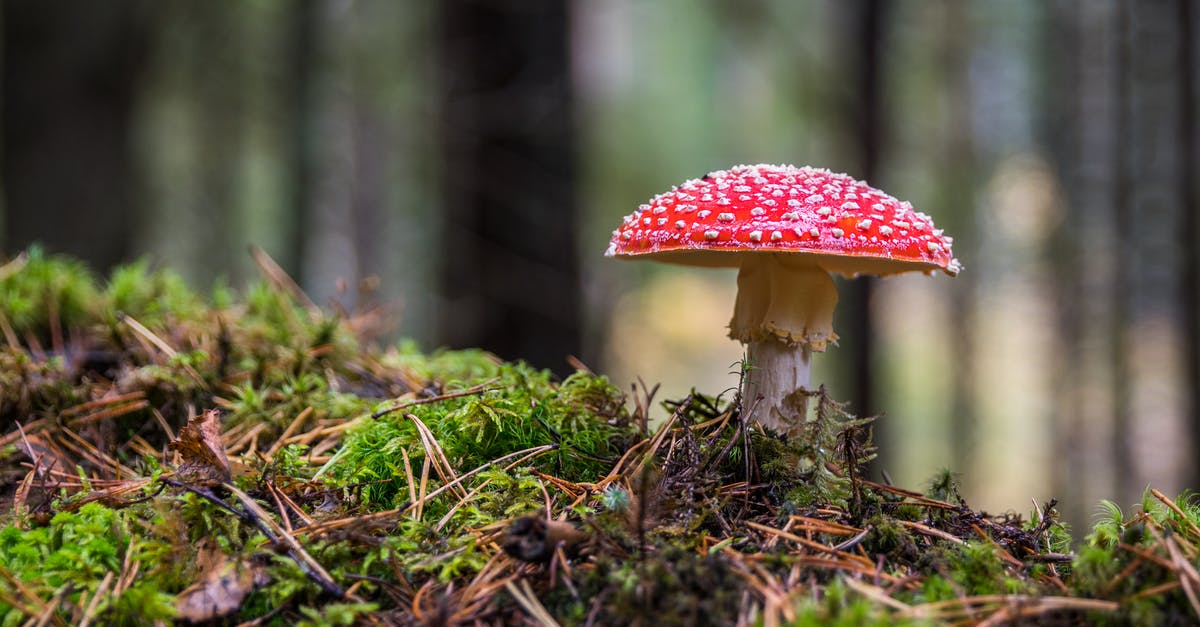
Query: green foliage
[
  {"x": 517, "y": 408},
  {"x": 75, "y": 553},
  {"x": 977, "y": 568},
  {"x": 152, "y": 296},
  {"x": 678, "y": 588},
  {"x": 48, "y": 290},
  {"x": 666, "y": 534},
  {"x": 334, "y": 614},
  {"x": 839, "y": 608},
  {"x": 835, "y": 444}
]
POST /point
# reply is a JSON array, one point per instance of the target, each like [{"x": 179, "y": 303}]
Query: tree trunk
[
  {"x": 867, "y": 35},
  {"x": 70, "y": 72},
  {"x": 510, "y": 277},
  {"x": 1189, "y": 232}
]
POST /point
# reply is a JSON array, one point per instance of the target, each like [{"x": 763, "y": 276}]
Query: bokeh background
[{"x": 462, "y": 162}]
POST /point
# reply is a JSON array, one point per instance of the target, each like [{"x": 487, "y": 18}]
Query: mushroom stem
[
  {"x": 776, "y": 373},
  {"x": 784, "y": 311}
]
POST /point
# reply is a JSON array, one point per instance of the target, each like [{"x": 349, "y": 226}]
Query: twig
[{"x": 477, "y": 389}]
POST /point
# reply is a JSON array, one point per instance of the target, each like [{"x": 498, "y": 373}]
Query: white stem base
[{"x": 777, "y": 372}]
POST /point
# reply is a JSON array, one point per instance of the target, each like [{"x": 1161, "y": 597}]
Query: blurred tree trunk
[
  {"x": 219, "y": 87},
  {"x": 509, "y": 275},
  {"x": 1082, "y": 132},
  {"x": 868, "y": 37},
  {"x": 301, "y": 56},
  {"x": 957, "y": 215},
  {"x": 1122, "y": 464},
  {"x": 70, "y": 75},
  {"x": 1153, "y": 203},
  {"x": 1127, "y": 142},
  {"x": 1189, "y": 233}
]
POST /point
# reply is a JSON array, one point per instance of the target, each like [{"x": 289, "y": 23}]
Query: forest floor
[{"x": 249, "y": 458}]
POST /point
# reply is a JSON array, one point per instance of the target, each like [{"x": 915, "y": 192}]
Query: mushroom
[{"x": 786, "y": 229}]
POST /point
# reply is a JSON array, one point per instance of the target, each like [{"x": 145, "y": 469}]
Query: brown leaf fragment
[
  {"x": 203, "y": 461},
  {"x": 221, "y": 586},
  {"x": 534, "y": 539}
]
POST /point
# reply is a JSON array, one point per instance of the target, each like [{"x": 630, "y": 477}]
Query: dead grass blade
[{"x": 525, "y": 597}]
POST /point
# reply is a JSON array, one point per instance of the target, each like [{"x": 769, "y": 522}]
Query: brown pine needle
[
  {"x": 1178, "y": 512},
  {"x": 291, "y": 428},
  {"x": 523, "y": 594}
]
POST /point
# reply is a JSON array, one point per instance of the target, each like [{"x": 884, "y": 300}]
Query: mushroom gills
[{"x": 784, "y": 301}]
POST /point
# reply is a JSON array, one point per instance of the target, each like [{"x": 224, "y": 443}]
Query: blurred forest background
[{"x": 464, "y": 161}]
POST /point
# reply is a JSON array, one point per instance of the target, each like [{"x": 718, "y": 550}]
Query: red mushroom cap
[{"x": 847, "y": 226}]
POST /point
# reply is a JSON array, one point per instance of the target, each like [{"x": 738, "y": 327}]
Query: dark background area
[{"x": 468, "y": 159}]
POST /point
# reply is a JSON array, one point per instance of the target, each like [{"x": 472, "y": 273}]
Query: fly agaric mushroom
[{"x": 786, "y": 229}]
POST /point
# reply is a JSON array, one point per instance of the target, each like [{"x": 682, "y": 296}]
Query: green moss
[
  {"x": 48, "y": 291},
  {"x": 583, "y": 419},
  {"x": 839, "y": 608},
  {"x": 154, "y": 297},
  {"x": 74, "y": 554},
  {"x": 697, "y": 526}
]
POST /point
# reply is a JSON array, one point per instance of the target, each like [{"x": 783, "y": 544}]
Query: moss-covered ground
[{"x": 248, "y": 458}]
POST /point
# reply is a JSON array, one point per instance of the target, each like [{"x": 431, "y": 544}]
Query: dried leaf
[
  {"x": 221, "y": 587},
  {"x": 203, "y": 460}
]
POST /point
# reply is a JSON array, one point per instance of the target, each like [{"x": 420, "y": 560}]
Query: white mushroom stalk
[
  {"x": 786, "y": 229},
  {"x": 784, "y": 312}
]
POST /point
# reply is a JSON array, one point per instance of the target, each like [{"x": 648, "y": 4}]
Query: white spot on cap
[
  {"x": 885, "y": 230},
  {"x": 744, "y": 197},
  {"x": 756, "y": 236},
  {"x": 815, "y": 198},
  {"x": 725, "y": 217},
  {"x": 711, "y": 234},
  {"x": 776, "y": 236},
  {"x": 777, "y": 193},
  {"x": 791, "y": 215},
  {"x": 704, "y": 213},
  {"x": 799, "y": 231},
  {"x": 792, "y": 202},
  {"x": 660, "y": 209},
  {"x": 627, "y": 236},
  {"x": 933, "y": 246},
  {"x": 757, "y": 211},
  {"x": 864, "y": 225},
  {"x": 849, "y": 205},
  {"x": 824, "y": 211},
  {"x": 679, "y": 224},
  {"x": 646, "y": 221},
  {"x": 814, "y": 232},
  {"x": 742, "y": 188},
  {"x": 662, "y": 221},
  {"x": 726, "y": 201},
  {"x": 838, "y": 233},
  {"x": 877, "y": 207},
  {"x": 900, "y": 224}
]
